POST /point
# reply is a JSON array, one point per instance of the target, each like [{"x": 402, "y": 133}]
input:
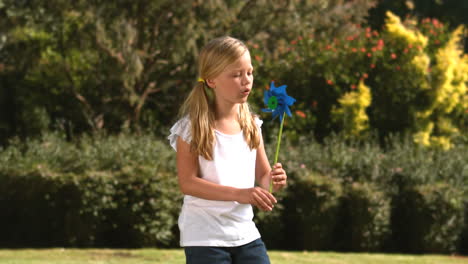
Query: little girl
[{"x": 220, "y": 156}]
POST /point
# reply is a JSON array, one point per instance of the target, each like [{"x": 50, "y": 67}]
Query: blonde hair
[{"x": 199, "y": 105}]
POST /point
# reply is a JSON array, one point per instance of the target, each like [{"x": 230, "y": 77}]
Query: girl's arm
[
  {"x": 264, "y": 173},
  {"x": 191, "y": 184}
]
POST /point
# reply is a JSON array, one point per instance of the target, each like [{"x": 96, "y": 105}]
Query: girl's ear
[{"x": 211, "y": 83}]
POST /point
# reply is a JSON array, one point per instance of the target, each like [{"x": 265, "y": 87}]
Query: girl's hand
[
  {"x": 278, "y": 176},
  {"x": 258, "y": 197}
]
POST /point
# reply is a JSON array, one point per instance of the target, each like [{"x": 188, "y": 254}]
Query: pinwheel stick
[{"x": 278, "y": 143}]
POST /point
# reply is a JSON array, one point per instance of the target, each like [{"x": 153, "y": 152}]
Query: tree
[{"x": 93, "y": 65}]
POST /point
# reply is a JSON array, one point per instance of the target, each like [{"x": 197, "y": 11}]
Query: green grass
[{"x": 156, "y": 256}]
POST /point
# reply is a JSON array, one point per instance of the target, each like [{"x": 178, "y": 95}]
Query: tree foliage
[{"x": 91, "y": 66}]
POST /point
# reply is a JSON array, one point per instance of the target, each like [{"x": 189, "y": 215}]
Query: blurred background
[{"x": 376, "y": 151}]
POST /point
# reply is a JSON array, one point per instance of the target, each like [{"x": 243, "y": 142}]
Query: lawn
[{"x": 156, "y": 256}]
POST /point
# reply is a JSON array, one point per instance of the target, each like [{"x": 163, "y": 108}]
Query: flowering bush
[
  {"x": 425, "y": 56},
  {"x": 352, "y": 111},
  {"x": 415, "y": 71}
]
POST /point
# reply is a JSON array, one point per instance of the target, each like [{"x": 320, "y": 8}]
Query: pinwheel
[{"x": 278, "y": 102}]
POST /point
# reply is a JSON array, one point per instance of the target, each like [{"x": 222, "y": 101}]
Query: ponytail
[{"x": 199, "y": 108}]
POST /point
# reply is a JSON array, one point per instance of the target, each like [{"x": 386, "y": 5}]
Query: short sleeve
[
  {"x": 180, "y": 129},
  {"x": 259, "y": 123}
]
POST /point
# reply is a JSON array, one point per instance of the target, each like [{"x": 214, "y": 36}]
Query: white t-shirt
[{"x": 219, "y": 223}]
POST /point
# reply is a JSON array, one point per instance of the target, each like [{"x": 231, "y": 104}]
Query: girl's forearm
[
  {"x": 264, "y": 181},
  {"x": 204, "y": 189}
]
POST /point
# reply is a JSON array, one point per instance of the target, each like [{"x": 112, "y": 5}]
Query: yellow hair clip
[{"x": 201, "y": 80}]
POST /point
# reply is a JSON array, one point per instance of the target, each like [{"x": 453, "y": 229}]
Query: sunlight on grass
[
  {"x": 176, "y": 256},
  {"x": 280, "y": 257}
]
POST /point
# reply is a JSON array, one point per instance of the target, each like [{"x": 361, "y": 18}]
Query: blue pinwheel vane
[{"x": 278, "y": 102}]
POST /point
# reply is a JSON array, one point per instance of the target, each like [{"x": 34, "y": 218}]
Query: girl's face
[{"x": 234, "y": 84}]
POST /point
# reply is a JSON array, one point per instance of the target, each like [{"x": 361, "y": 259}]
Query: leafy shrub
[
  {"x": 463, "y": 243},
  {"x": 118, "y": 191},
  {"x": 364, "y": 219},
  {"x": 415, "y": 71},
  {"x": 427, "y": 218},
  {"x": 312, "y": 210},
  {"x": 366, "y": 166},
  {"x": 30, "y": 209},
  {"x": 121, "y": 191},
  {"x": 272, "y": 225}
]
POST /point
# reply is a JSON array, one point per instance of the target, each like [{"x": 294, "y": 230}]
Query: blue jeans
[{"x": 251, "y": 253}]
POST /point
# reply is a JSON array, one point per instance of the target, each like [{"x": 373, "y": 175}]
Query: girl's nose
[{"x": 247, "y": 79}]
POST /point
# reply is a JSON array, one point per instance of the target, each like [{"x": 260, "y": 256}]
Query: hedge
[
  {"x": 121, "y": 191},
  {"x": 428, "y": 218}
]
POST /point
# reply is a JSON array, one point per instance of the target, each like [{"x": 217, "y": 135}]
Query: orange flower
[
  {"x": 393, "y": 55},
  {"x": 369, "y": 54},
  {"x": 363, "y": 50},
  {"x": 300, "y": 113},
  {"x": 353, "y": 86},
  {"x": 365, "y": 75},
  {"x": 294, "y": 42},
  {"x": 380, "y": 43},
  {"x": 397, "y": 68},
  {"x": 372, "y": 65},
  {"x": 354, "y": 49},
  {"x": 258, "y": 58},
  {"x": 329, "y": 82}
]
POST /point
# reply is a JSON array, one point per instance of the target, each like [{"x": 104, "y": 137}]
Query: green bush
[
  {"x": 385, "y": 170},
  {"x": 123, "y": 192},
  {"x": 364, "y": 219},
  {"x": 427, "y": 218},
  {"x": 272, "y": 225},
  {"x": 32, "y": 213},
  {"x": 413, "y": 69},
  {"x": 463, "y": 243},
  {"x": 312, "y": 212}
]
